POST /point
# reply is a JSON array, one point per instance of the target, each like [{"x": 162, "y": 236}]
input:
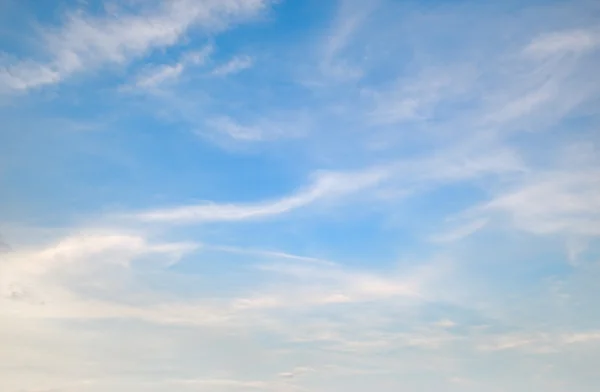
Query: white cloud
[
  {"x": 83, "y": 313},
  {"x": 235, "y": 65},
  {"x": 159, "y": 75},
  {"x": 237, "y": 131},
  {"x": 286, "y": 310},
  {"x": 561, "y": 42},
  {"x": 317, "y": 285},
  {"x": 87, "y": 42},
  {"x": 267, "y": 129},
  {"x": 297, "y": 371},
  {"x": 350, "y": 16},
  {"x": 225, "y": 383},
  {"x": 541, "y": 343},
  {"x": 152, "y": 77},
  {"x": 326, "y": 185},
  {"x": 266, "y": 254},
  {"x": 445, "y": 323},
  {"x": 556, "y": 202},
  {"x": 40, "y": 282},
  {"x": 94, "y": 275},
  {"x": 460, "y": 231},
  {"x": 422, "y": 174},
  {"x": 415, "y": 98}
]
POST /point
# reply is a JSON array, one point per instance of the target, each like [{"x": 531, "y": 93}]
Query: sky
[{"x": 299, "y": 196}]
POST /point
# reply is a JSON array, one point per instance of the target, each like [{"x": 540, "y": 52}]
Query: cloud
[
  {"x": 321, "y": 285},
  {"x": 237, "y": 131},
  {"x": 40, "y": 282},
  {"x": 225, "y": 383},
  {"x": 326, "y": 185},
  {"x": 422, "y": 174},
  {"x": 556, "y": 202},
  {"x": 297, "y": 371},
  {"x": 236, "y": 65},
  {"x": 328, "y": 309},
  {"x": 159, "y": 75},
  {"x": 542, "y": 343},
  {"x": 461, "y": 231},
  {"x": 416, "y": 97},
  {"x": 266, "y": 129},
  {"x": 4, "y": 247},
  {"x": 154, "y": 76},
  {"x": 86, "y": 42},
  {"x": 95, "y": 275},
  {"x": 561, "y": 42},
  {"x": 136, "y": 307},
  {"x": 350, "y": 17},
  {"x": 266, "y": 253}
]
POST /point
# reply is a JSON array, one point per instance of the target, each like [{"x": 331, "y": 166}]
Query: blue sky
[{"x": 255, "y": 195}]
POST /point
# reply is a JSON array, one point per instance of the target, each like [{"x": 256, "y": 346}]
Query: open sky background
[{"x": 289, "y": 196}]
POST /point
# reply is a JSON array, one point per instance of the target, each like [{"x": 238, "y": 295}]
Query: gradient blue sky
[{"x": 255, "y": 195}]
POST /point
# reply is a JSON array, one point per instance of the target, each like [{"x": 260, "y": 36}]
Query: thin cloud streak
[
  {"x": 325, "y": 186},
  {"x": 87, "y": 42},
  {"x": 233, "y": 66},
  {"x": 153, "y": 77}
]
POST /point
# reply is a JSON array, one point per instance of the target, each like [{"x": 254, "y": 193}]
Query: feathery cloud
[
  {"x": 87, "y": 42},
  {"x": 235, "y": 65}
]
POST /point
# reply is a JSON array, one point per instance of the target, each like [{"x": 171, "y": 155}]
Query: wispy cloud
[
  {"x": 235, "y": 65},
  {"x": 561, "y": 42},
  {"x": 348, "y": 20},
  {"x": 542, "y": 343},
  {"x": 481, "y": 141},
  {"x": 274, "y": 127},
  {"x": 87, "y": 42},
  {"x": 159, "y": 75},
  {"x": 237, "y": 131},
  {"x": 415, "y": 98},
  {"x": 426, "y": 173},
  {"x": 460, "y": 231},
  {"x": 75, "y": 278},
  {"x": 154, "y": 76},
  {"x": 326, "y": 185},
  {"x": 558, "y": 202}
]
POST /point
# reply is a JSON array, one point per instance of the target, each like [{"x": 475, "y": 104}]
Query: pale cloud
[
  {"x": 225, "y": 383},
  {"x": 515, "y": 88},
  {"x": 561, "y": 42},
  {"x": 235, "y": 65},
  {"x": 27, "y": 75},
  {"x": 541, "y": 343},
  {"x": 445, "y": 323},
  {"x": 556, "y": 202},
  {"x": 461, "y": 231},
  {"x": 419, "y": 174},
  {"x": 267, "y": 129},
  {"x": 538, "y": 92},
  {"x": 96, "y": 310},
  {"x": 316, "y": 285},
  {"x": 415, "y": 98},
  {"x": 286, "y": 309},
  {"x": 326, "y": 185},
  {"x": 154, "y": 76},
  {"x": 520, "y": 107},
  {"x": 296, "y": 372},
  {"x": 237, "y": 131},
  {"x": 159, "y": 75},
  {"x": 75, "y": 278},
  {"x": 40, "y": 282},
  {"x": 266, "y": 253},
  {"x": 87, "y": 42},
  {"x": 350, "y": 17}
]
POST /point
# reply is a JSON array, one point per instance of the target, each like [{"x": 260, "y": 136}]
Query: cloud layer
[{"x": 287, "y": 196}]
